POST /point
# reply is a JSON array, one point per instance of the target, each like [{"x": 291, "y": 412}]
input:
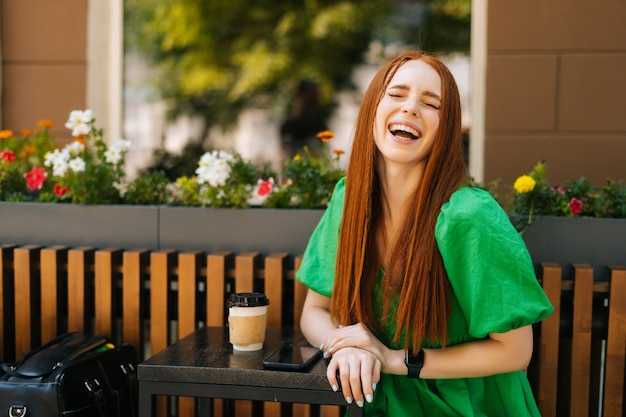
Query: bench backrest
[{"x": 153, "y": 298}]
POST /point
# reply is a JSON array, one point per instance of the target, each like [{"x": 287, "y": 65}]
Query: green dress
[{"x": 493, "y": 289}]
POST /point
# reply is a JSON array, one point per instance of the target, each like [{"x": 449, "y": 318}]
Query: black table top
[{"x": 207, "y": 357}]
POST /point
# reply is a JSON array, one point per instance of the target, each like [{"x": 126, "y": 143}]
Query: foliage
[
  {"x": 216, "y": 58},
  {"x": 87, "y": 171},
  {"x": 534, "y": 196}
]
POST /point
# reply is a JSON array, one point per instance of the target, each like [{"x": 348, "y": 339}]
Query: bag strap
[{"x": 43, "y": 360}]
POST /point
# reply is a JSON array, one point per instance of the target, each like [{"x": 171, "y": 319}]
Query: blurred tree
[{"x": 217, "y": 57}]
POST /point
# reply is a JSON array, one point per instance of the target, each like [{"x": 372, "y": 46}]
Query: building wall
[
  {"x": 556, "y": 89},
  {"x": 44, "y": 62}
]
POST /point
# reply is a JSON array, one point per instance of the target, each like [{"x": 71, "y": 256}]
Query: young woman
[{"x": 422, "y": 294}]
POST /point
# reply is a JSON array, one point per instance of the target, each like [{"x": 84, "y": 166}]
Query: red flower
[
  {"x": 8, "y": 156},
  {"x": 575, "y": 206},
  {"x": 35, "y": 178},
  {"x": 59, "y": 190},
  {"x": 265, "y": 187}
]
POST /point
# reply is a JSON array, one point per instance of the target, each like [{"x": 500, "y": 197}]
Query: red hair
[{"x": 416, "y": 267}]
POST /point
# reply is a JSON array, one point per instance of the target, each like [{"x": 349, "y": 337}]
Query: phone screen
[{"x": 292, "y": 358}]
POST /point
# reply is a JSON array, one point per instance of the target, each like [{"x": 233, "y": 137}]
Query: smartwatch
[{"x": 415, "y": 362}]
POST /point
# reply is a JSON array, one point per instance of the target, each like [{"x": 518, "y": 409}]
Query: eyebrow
[{"x": 405, "y": 87}]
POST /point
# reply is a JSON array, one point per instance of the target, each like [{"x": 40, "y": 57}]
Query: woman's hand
[
  {"x": 358, "y": 336},
  {"x": 358, "y": 371}
]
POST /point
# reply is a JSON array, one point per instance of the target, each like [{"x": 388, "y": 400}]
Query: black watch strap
[{"x": 414, "y": 362}]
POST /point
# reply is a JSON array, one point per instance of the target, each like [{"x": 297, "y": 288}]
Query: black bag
[{"x": 74, "y": 375}]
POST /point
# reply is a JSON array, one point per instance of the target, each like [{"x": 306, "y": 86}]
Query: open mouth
[{"x": 404, "y": 131}]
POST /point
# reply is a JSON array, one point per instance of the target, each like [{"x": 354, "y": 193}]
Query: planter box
[
  {"x": 566, "y": 240},
  {"x": 158, "y": 227},
  {"x": 237, "y": 230},
  {"x": 99, "y": 226}
]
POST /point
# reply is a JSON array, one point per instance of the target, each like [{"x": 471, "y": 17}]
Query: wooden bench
[{"x": 153, "y": 298}]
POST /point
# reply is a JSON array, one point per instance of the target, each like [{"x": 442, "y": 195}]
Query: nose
[{"x": 411, "y": 107}]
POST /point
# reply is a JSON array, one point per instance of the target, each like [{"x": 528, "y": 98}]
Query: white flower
[
  {"x": 113, "y": 155},
  {"x": 77, "y": 164},
  {"x": 75, "y": 148},
  {"x": 214, "y": 168},
  {"x": 59, "y": 167},
  {"x": 122, "y": 144},
  {"x": 78, "y": 122}
]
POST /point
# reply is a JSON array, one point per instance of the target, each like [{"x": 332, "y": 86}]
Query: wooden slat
[
  {"x": 299, "y": 294},
  {"x": 52, "y": 258},
  {"x": 216, "y": 288},
  {"x": 274, "y": 288},
  {"x": 188, "y": 269},
  {"x": 616, "y": 345},
  {"x": 549, "y": 342},
  {"x": 23, "y": 264},
  {"x": 244, "y": 271},
  {"x": 6, "y": 255},
  {"x": 161, "y": 265},
  {"x": 77, "y": 269},
  {"x": 106, "y": 263},
  {"x": 581, "y": 340},
  {"x": 134, "y": 262}
]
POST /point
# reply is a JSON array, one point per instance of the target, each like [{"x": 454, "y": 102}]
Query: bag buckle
[{"x": 17, "y": 411}]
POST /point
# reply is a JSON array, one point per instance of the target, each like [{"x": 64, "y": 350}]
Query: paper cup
[{"x": 247, "y": 320}]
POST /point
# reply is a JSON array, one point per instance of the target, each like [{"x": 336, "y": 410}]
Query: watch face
[{"x": 416, "y": 360}]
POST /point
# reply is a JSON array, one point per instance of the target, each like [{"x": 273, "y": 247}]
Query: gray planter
[
  {"x": 157, "y": 227},
  {"x": 238, "y": 230},
  {"x": 566, "y": 240},
  {"x": 75, "y": 225}
]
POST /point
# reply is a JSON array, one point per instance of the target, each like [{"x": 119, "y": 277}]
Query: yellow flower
[
  {"x": 326, "y": 135},
  {"x": 297, "y": 157},
  {"x": 524, "y": 184},
  {"x": 6, "y": 134}
]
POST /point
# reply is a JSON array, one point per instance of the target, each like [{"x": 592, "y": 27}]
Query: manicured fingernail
[
  {"x": 322, "y": 346},
  {"x": 349, "y": 400},
  {"x": 374, "y": 386},
  {"x": 325, "y": 355},
  {"x": 335, "y": 388},
  {"x": 359, "y": 403},
  {"x": 369, "y": 398}
]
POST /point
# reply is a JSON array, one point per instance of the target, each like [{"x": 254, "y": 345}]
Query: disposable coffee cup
[{"x": 247, "y": 320}]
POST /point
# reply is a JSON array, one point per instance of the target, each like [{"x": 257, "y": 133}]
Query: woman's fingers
[{"x": 356, "y": 371}]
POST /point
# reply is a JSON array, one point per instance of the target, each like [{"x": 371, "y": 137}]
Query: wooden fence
[{"x": 152, "y": 298}]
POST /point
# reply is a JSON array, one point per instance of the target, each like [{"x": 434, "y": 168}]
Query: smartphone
[{"x": 292, "y": 358}]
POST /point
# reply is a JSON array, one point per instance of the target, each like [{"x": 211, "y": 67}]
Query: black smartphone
[{"x": 292, "y": 358}]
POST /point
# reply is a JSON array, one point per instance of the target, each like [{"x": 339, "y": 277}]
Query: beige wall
[
  {"x": 43, "y": 61},
  {"x": 556, "y": 89}
]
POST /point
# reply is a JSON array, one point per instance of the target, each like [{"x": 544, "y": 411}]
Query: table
[{"x": 204, "y": 365}]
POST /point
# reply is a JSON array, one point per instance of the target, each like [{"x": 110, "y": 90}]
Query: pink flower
[
  {"x": 575, "y": 206},
  {"x": 35, "y": 178},
  {"x": 59, "y": 190},
  {"x": 8, "y": 156},
  {"x": 264, "y": 188}
]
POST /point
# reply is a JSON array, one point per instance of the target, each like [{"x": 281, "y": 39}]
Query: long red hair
[{"x": 416, "y": 267}]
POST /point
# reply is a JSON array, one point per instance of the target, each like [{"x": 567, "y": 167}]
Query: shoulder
[{"x": 470, "y": 207}]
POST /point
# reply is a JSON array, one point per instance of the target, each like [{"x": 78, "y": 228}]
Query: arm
[
  {"x": 498, "y": 353},
  {"x": 358, "y": 369}
]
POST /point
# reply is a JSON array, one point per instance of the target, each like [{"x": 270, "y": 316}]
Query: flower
[
  {"x": 575, "y": 206},
  {"x": 524, "y": 184},
  {"x": 326, "y": 136},
  {"x": 59, "y": 190},
  {"x": 6, "y": 134},
  {"x": 8, "y": 156},
  {"x": 214, "y": 168},
  {"x": 35, "y": 178},
  {"x": 534, "y": 196},
  {"x": 80, "y": 122}
]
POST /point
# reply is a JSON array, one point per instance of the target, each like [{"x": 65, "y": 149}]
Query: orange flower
[
  {"x": 26, "y": 132},
  {"x": 326, "y": 135},
  {"x": 45, "y": 123},
  {"x": 28, "y": 150},
  {"x": 338, "y": 152},
  {"x": 81, "y": 139},
  {"x": 6, "y": 134}
]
